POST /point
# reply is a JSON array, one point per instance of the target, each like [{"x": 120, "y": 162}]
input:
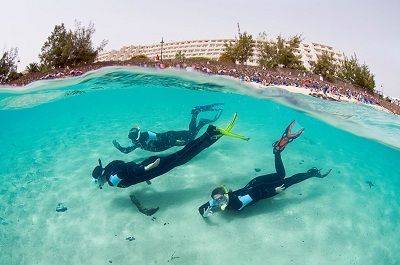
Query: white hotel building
[{"x": 210, "y": 49}]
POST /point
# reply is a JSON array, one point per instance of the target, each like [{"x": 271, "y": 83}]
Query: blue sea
[{"x": 53, "y": 132}]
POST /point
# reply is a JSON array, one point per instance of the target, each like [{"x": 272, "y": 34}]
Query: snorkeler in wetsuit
[
  {"x": 157, "y": 142},
  {"x": 261, "y": 187},
  {"x": 120, "y": 174}
]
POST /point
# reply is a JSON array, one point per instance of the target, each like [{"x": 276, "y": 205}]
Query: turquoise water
[{"x": 51, "y": 139}]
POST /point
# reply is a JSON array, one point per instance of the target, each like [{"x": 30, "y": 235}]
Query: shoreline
[{"x": 237, "y": 72}]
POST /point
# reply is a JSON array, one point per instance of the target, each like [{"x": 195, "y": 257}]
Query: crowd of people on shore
[
  {"x": 285, "y": 77},
  {"x": 316, "y": 84},
  {"x": 395, "y": 101},
  {"x": 62, "y": 74}
]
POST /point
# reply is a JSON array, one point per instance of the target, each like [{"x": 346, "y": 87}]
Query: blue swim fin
[{"x": 210, "y": 107}]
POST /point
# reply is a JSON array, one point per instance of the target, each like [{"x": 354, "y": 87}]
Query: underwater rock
[
  {"x": 61, "y": 208},
  {"x": 257, "y": 169},
  {"x": 370, "y": 184},
  {"x": 74, "y": 92},
  {"x": 173, "y": 257},
  {"x": 3, "y": 221},
  {"x": 130, "y": 238}
]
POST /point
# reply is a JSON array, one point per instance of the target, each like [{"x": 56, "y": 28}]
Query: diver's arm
[
  {"x": 209, "y": 208},
  {"x": 204, "y": 210},
  {"x": 124, "y": 150}
]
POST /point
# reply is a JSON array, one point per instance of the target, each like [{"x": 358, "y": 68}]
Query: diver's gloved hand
[
  {"x": 315, "y": 172},
  {"x": 116, "y": 144},
  {"x": 280, "y": 188},
  {"x": 324, "y": 175},
  {"x": 208, "y": 212},
  {"x": 152, "y": 165}
]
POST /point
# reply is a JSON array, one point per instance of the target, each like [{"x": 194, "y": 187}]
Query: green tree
[
  {"x": 33, "y": 68},
  {"x": 68, "y": 48},
  {"x": 180, "y": 56},
  {"x": 239, "y": 51},
  {"x": 351, "y": 71},
  {"x": 140, "y": 58},
  {"x": 8, "y": 65},
  {"x": 56, "y": 50},
  {"x": 286, "y": 52},
  {"x": 280, "y": 53},
  {"x": 229, "y": 54},
  {"x": 268, "y": 53},
  {"x": 244, "y": 48},
  {"x": 365, "y": 79},
  {"x": 226, "y": 58},
  {"x": 325, "y": 66},
  {"x": 83, "y": 50},
  {"x": 348, "y": 68}
]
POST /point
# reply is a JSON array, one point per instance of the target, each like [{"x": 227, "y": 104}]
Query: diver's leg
[
  {"x": 280, "y": 169},
  {"x": 264, "y": 186},
  {"x": 193, "y": 122},
  {"x": 175, "y": 138},
  {"x": 203, "y": 122},
  {"x": 272, "y": 178},
  {"x": 299, "y": 177},
  {"x": 184, "y": 155},
  {"x": 296, "y": 178},
  {"x": 194, "y": 147},
  {"x": 180, "y": 138},
  {"x": 268, "y": 179}
]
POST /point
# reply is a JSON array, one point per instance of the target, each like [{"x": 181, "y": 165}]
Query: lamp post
[{"x": 162, "y": 43}]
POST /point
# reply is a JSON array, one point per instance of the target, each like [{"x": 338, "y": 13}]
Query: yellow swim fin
[
  {"x": 231, "y": 123},
  {"x": 228, "y": 130},
  {"x": 234, "y": 135}
]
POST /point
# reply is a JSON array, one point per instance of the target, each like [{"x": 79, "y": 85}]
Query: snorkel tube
[{"x": 97, "y": 175}]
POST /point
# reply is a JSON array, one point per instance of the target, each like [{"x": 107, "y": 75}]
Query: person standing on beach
[
  {"x": 157, "y": 142},
  {"x": 261, "y": 187}
]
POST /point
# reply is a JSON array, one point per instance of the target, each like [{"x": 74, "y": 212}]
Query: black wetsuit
[
  {"x": 158, "y": 142},
  {"x": 121, "y": 174},
  {"x": 261, "y": 187}
]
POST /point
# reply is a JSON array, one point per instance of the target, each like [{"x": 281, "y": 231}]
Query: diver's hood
[{"x": 134, "y": 134}]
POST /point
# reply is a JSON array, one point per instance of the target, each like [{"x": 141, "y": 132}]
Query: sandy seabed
[{"x": 51, "y": 148}]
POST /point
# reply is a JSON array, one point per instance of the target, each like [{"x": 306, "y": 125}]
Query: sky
[{"x": 371, "y": 29}]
